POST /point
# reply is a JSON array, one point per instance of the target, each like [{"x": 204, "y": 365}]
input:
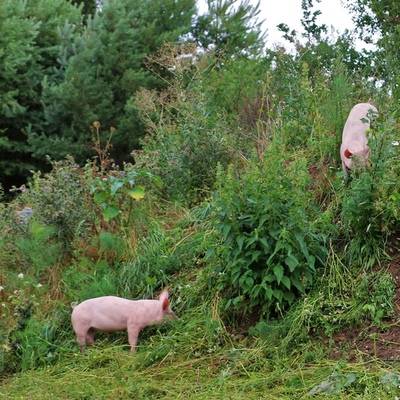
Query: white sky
[{"x": 274, "y": 12}]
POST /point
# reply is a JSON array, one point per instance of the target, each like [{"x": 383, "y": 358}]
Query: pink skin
[
  {"x": 354, "y": 138},
  {"x": 110, "y": 313}
]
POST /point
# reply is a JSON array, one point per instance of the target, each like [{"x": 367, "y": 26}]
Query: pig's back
[
  {"x": 107, "y": 313},
  {"x": 355, "y": 128}
]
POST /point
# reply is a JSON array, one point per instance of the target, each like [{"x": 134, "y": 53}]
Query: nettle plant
[
  {"x": 269, "y": 248},
  {"x": 116, "y": 192}
]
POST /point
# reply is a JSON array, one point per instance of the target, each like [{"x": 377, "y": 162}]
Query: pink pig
[
  {"x": 354, "y": 139},
  {"x": 110, "y": 313}
]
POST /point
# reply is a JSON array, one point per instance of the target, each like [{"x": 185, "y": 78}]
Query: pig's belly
[{"x": 109, "y": 323}]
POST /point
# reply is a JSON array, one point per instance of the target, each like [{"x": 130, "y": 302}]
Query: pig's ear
[
  {"x": 163, "y": 295},
  {"x": 348, "y": 153},
  {"x": 165, "y": 304}
]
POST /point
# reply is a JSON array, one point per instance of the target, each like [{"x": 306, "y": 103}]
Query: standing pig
[
  {"x": 354, "y": 139},
  {"x": 110, "y": 313}
]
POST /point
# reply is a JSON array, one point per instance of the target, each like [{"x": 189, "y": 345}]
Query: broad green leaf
[
  {"x": 334, "y": 384},
  {"x": 225, "y": 231},
  {"x": 256, "y": 290},
  {"x": 264, "y": 242},
  {"x": 268, "y": 292},
  {"x": 262, "y": 221},
  {"x": 251, "y": 240},
  {"x": 299, "y": 286},
  {"x": 288, "y": 296},
  {"x": 286, "y": 282},
  {"x": 302, "y": 244},
  {"x": 137, "y": 193},
  {"x": 239, "y": 241},
  {"x": 278, "y": 272},
  {"x": 115, "y": 186},
  {"x": 268, "y": 278},
  {"x": 278, "y": 294},
  {"x": 249, "y": 281},
  {"x": 311, "y": 262},
  {"x": 110, "y": 212},
  {"x": 111, "y": 242},
  {"x": 279, "y": 246},
  {"x": 100, "y": 197},
  {"x": 292, "y": 262},
  {"x": 390, "y": 378}
]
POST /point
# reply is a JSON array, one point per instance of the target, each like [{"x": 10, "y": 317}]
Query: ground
[{"x": 371, "y": 341}]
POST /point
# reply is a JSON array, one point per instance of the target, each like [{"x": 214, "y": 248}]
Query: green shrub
[
  {"x": 268, "y": 249},
  {"x": 150, "y": 269},
  {"x": 39, "y": 341},
  {"x": 185, "y": 143},
  {"x": 371, "y": 202},
  {"x": 87, "y": 279},
  {"x": 38, "y": 247},
  {"x": 365, "y": 243},
  {"x": 61, "y": 199},
  {"x": 116, "y": 193},
  {"x": 163, "y": 255}
]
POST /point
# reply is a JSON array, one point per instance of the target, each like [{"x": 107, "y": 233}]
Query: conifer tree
[
  {"x": 30, "y": 35},
  {"x": 105, "y": 72},
  {"x": 230, "y": 28}
]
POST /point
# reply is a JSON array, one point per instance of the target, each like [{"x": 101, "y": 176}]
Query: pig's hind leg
[
  {"x": 90, "y": 337},
  {"x": 81, "y": 333},
  {"x": 81, "y": 339}
]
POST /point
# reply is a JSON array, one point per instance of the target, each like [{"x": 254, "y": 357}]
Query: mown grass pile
[{"x": 237, "y": 203}]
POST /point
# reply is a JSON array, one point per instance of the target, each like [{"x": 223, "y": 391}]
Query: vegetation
[{"x": 284, "y": 276}]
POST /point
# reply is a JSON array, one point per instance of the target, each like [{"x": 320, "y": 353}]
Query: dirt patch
[
  {"x": 320, "y": 180},
  {"x": 371, "y": 341}
]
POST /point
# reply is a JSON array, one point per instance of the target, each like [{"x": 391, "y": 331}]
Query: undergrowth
[{"x": 237, "y": 204}]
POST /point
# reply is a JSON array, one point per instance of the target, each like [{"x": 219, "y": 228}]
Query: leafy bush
[
  {"x": 86, "y": 279},
  {"x": 365, "y": 240},
  {"x": 185, "y": 142},
  {"x": 115, "y": 194},
  {"x": 61, "y": 199},
  {"x": 164, "y": 254},
  {"x": 39, "y": 341},
  {"x": 371, "y": 202},
  {"x": 38, "y": 247},
  {"x": 150, "y": 268},
  {"x": 269, "y": 249}
]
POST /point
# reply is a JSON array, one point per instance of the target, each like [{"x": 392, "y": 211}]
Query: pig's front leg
[
  {"x": 133, "y": 333},
  {"x": 345, "y": 171}
]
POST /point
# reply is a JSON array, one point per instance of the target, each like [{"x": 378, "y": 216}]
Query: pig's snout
[{"x": 172, "y": 315}]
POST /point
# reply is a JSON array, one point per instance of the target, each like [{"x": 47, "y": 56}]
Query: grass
[
  {"x": 196, "y": 357},
  {"x": 111, "y": 372}
]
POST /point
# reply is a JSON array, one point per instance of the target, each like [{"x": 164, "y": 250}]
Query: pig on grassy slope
[
  {"x": 354, "y": 139},
  {"x": 110, "y": 313}
]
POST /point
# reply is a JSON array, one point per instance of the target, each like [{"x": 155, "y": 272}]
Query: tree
[
  {"x": 30, "y": 34},
  {"x": 105, "y": 72},
  {"x": 378, "y": 22},
  {"x": 230, "y": 28},
  {"x": 318, "y": 49},
  {"x": 88, "y": 6}
]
